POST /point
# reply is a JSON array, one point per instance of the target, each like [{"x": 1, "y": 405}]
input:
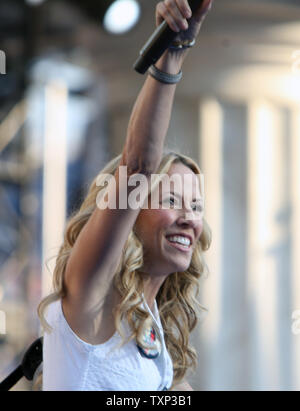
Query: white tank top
[{"x": 69, "y": 363}]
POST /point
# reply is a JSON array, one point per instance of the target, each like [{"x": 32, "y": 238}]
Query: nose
[{"x": 189, "y": 219}]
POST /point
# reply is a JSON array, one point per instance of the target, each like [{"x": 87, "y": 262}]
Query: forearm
[{"x": 150, "y": 117}]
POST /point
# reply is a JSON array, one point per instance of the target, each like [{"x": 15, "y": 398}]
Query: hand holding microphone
[{"x": 178, "y": 21}]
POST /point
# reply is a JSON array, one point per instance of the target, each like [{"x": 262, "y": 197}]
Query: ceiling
[{"x": 236, "y": 35}]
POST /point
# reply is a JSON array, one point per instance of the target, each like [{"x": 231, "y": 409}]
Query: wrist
[{"x": 171, "y": 61}]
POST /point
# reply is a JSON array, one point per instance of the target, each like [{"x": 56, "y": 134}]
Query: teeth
[{"x": 179, "y": 239}]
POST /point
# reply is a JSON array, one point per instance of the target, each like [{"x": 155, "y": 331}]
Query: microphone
[
  {"x": 158, "y": 42},
  {"x": 32, "y": 358}
]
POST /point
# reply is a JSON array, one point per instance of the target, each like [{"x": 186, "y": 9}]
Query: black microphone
[
  {"x": 32, "y": 358},
  {"x": 159, "y": 42}
]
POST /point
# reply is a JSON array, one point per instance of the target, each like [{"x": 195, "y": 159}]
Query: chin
[{"x": 180, "y": 267}]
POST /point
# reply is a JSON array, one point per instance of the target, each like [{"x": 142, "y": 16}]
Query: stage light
[
  {"x": 34, "y": 2},
  {"x": 121, "y": 16}
]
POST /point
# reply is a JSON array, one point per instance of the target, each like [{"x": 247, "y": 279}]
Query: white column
[
  {"x": 211, "y": 132},
  {"x": 295, "y": 232},
  {"x": 2, "y": 322},
  {"x": 54, "y": 178},
  {"x": 266, "y": 199}
]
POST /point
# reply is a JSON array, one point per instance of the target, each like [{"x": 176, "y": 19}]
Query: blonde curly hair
[{"x": 177, "y": 297}]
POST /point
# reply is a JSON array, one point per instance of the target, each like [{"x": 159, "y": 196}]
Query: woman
[{"x": 126, "y": 278}]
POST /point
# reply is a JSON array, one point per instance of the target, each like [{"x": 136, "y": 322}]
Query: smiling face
[{"x": 163, "y": 254}]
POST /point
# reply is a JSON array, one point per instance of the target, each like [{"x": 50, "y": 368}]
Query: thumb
[
  {"x": 207, "y": 5},
  {"x": 204, "y": 9}
]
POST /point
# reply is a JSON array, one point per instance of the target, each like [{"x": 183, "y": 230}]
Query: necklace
[{"x": 151, "y": 340}]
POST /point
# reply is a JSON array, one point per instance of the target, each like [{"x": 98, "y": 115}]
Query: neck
[{"x": 151, "y": 288}]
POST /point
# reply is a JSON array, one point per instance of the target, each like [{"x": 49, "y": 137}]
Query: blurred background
[{"x": 67, "y": 88}]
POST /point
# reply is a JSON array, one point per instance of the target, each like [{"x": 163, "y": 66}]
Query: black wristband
[{"x": 163, "y": 77}]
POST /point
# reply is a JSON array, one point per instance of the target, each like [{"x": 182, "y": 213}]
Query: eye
[
  {"x": 197, "y": 207},
  {"x": 169, "y": 200}
]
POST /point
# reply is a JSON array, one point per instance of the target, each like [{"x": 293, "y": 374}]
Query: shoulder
[{"x": 53, "y": 312}]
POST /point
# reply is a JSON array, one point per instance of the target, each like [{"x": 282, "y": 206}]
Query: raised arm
[
  {"x": 98, "y": 248},
  {"x": 150, "y": 118}
]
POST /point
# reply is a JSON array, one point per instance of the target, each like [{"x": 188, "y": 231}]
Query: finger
[
  {"x": 176, "y": 13},
  {"x": 184, "y": 8},
  {"x": 162, "y": 13}
]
